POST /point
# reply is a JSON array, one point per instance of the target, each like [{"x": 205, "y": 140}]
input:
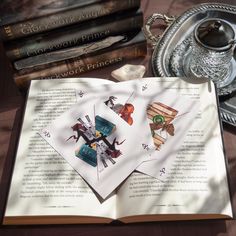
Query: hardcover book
[
  {"x": 21, "y": 10},
  {"x": 64, "y": 18},
  {"x": 74, "y": 35},
  {"x": 64, "y": 63}
]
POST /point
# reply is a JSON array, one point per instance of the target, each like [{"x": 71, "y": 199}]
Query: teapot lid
[{"x": 215, "y": 34}]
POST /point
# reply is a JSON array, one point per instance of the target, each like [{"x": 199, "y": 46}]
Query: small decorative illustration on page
[
  {"x": 160, "y": 117},
  {"x": 106, "y": 143},
  {"x": 124, "y": 110},
  {"x": 86, "y": 131}
]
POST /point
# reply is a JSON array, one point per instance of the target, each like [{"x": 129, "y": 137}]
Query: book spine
[
  {"x": 73, "y": 68},
  {"x": 46, "y": 59},
  {"x": 10, "y": 13},
  {"x": 71, "y": 37},
  {"x": 65, "y": 18}
]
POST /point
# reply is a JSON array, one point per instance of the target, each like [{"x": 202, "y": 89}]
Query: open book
[{"x": 46, "y": 190}]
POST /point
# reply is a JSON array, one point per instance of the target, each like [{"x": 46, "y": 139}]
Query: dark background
[{"x": 11, "y": 110}]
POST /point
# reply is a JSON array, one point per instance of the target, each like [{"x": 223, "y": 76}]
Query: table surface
[{"x": 11, "y": 110}]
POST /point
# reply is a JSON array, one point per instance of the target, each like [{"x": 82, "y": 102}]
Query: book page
[
  {"x": 197, "y": 182},
  {"x": 43, "y": 183}
]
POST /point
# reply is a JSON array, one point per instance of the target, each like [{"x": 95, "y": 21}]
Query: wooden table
[{"x": 11, "y": 110}]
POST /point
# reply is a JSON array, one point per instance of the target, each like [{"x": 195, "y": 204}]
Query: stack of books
[{"x": 61, "y": 39}]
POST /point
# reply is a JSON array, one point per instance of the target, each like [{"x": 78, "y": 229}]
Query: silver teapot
[{"x": 213, "y": 45}]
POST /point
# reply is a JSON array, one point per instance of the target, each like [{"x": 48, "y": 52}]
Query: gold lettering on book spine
[
  {"x": 8, "y": 31},
  {"x": 32, "y": 27},
  {"x": 16, "y": 52}
]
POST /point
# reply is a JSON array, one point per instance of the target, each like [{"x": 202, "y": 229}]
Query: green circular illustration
[{"x": 158, "y": 119}]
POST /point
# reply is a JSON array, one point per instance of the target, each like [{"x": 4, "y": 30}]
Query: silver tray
[{"x": 171, "y": 50}]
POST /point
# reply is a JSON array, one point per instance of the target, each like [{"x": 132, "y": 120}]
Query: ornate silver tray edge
[{"x": 227, "y": 117}]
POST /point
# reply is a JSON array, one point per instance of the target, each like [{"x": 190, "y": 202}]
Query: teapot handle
[{"x": 149, "y": 22}]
